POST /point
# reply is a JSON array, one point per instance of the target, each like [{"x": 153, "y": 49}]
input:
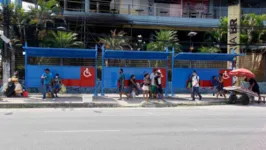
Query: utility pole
[{"x": 6, "y": 51}]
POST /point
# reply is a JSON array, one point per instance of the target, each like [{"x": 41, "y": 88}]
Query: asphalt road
[{"x": 183, "y": 128}]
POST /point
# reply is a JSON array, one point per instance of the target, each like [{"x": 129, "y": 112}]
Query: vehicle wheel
[
  {"x": 232, "y": 99},
  {"x": 244, "y": 99}
]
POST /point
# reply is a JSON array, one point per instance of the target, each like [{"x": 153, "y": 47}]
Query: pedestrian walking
[
  {"x": 214, "y": 85},
  {"x": 220, "y": 87},
  {"x": 121, "y": 84},
  {"x": 195, "y": 86},
  {"x": 47, "y": 79},
  {"x": 146, "y": 86}
]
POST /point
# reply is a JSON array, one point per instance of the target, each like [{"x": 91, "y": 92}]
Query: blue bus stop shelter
[
  {"x": 197, "y": 57},
  {"x": 71, "y": 71},
  {"x": 109, "y": 74}
]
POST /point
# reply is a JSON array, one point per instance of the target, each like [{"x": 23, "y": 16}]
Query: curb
[
  {"x": 57, "y": 105},
  {"x": 103, "y": 105}
]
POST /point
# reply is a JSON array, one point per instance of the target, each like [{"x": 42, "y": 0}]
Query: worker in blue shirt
[{"x": 47, "y": 79}]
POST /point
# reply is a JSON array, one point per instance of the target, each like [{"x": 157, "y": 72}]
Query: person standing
[
  {"x": 47, "y": 79},
  {"x": 146, "y": 86},
  {"x": 214, "y": 85},
  {"x": 159, "y": 88},
  {"x": 133, "y": 87},
  {"x": 121, "y": 84},
  {"x": 220, "y": 87},
  {"x": 195, "y": 86},
  {"x": 153, "y": 86},
  {"x": 253, "y": 86},
  {"x": 57, "y": 84}
]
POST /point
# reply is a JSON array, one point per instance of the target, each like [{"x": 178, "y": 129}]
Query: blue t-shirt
[
  {"x": 214, "y": 82},
  {"x": 48, "y": 79}
]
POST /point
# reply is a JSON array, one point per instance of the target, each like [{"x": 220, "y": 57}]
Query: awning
[
  {"x": 60, "y": 52},
  {"x": 206, "y": 56},
  {"x": 136, "y": 55}
]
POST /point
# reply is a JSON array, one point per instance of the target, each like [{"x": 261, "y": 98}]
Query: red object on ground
[
  {"x": 25, "y": 94},
  {"x": 242, "y": 72}
]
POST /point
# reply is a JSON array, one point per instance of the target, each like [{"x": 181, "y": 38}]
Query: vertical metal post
[
  {"x": 87, "y": 5},
  {"x": 166, "y": 86},
  {"x": 85, "y": 26},
  {"x": 182, "y": 7},
  {"x": 154, "y": 9},
  {"x": 26, "y": 68},
  {"x": 102, "y": 82},
  {"x": 173, "y": 65},
  {"x": 96, "y": 72},
  {"x": 129, "y": 9},
  {"x": 65, "y": 5},
  {"x": 97, "y": 7}
]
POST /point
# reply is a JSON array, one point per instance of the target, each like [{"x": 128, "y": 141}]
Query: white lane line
[{"x": 80, "y": 131}]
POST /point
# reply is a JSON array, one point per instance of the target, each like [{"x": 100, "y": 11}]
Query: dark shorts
[
  {"x": 256, "y": 90},
  {"x": 159, "y": 90},
  {"x": 121, "y": 89},
  {"x": 220, "y": 87}
]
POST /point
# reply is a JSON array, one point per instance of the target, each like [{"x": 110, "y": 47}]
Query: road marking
[{"x": 80, "y": 131}]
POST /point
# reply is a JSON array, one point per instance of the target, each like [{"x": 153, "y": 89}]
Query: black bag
[{"x": 10, "y": 91}]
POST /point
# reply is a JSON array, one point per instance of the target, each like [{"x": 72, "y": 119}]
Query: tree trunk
[
  {"x": 13, "y": 60},
  {"x": 6, "y": 69}
]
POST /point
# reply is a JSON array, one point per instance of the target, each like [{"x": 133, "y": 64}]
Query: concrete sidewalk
[{"x": 109, "y": 100}]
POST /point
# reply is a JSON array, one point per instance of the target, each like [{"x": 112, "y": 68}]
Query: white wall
[{"x": 172, "y": 9}]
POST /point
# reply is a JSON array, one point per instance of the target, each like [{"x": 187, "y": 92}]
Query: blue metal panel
[
  {"x": 34, "y": 72},
  {"x": 136, "y": 55},
  {"x": 60, "y": 52},
  {"x": 26, "y": 68},
  {"x": 173, "y": 65},
  {"x": 111, "y": 75},
  {"x": 149, "y": 20},
  {"x": 96, "y": 72},
  {"x": 180, "y": 76},
  {"x": 102, "y": 83},
  {"x": 166, "y": 87},
  {"x": 206, "y": 56}
]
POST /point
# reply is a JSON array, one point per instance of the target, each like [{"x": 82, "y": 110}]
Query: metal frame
[
  {"x": 95, "y": 58},
  {"x": 206, "y": 54},
  {"x": 147, "y": 52}
]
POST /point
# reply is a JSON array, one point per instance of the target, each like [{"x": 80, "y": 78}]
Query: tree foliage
[
  {"x": 61, "y": 39},
  {"x": 212, "y": 49},
  {"x": 164, "y": 39},
  {"x": 116, "y": 41}
]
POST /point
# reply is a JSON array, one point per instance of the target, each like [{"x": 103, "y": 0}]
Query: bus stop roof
[
  {"x": 60, "y": 52},
  {"x": 206, "y": 56},
  {"x": 136, "y": 55}
]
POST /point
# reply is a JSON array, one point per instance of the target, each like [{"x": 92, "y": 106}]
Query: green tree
[
  {"x": 251, "y": 25},
  {"x": 164, "y": 39},
  {"x": 116, "y": 41},
  {"x": 251, "y": 29},
  {"x": 213, "y": 49},
  {"x": 46, "y": 12},
  {"x": 18, "y": 22},
  {"x": 61, "y": 39}
]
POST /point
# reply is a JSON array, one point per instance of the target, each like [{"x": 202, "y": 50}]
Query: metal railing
[{"x": 194, "y": 11}]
